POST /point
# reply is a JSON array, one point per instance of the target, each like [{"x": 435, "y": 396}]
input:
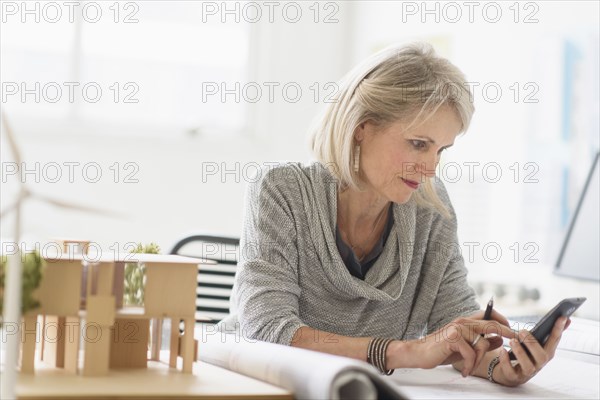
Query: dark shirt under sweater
[{"x": 355, "y": 267}]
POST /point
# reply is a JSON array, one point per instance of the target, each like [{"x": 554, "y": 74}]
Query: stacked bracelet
[
  {"x": 491, "y": 367},
  {"x": 376, "y": 354}
]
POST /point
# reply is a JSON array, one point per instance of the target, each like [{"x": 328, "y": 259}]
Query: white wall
[
  {"x": 507, "y": 131},
  {"x": 172, "y": 198}
]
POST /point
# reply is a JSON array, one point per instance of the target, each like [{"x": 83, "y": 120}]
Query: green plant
[
  {"x": 135, "y": 276},
  {"x": 32, "y": 265}
]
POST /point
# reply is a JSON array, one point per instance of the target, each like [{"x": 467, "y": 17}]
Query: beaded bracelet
[
  {"x": 491, "y": 367},
  {"x": 376, "y": 354}
]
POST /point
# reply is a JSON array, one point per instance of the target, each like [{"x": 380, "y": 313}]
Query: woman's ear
[{"x": 359, "y": 132}]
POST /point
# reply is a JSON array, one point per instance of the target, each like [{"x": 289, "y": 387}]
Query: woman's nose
[{"x": 428, "y": 165}]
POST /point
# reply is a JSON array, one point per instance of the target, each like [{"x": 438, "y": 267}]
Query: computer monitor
[{"x": 580, "y": 253}]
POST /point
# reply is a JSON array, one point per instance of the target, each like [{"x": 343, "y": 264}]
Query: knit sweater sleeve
[
  {"x": 454, "y": 297},
  {"x": 266, "y": 288}
]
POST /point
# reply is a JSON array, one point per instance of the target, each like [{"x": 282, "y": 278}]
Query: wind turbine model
[{"x": 12, "y": 292}]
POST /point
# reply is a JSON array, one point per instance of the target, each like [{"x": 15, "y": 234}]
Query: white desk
[
  {"x": 574, "y": 373},
  {"x": 558, "y": 380},
  {"x": 568, "y": 375}
]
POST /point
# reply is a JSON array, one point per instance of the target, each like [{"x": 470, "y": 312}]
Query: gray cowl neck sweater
[{"x": 291, "y": 274}]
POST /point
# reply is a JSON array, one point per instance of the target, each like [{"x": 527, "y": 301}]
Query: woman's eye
[{"x": 418, "y": 144}]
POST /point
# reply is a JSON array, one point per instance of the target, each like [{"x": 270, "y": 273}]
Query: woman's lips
[{"x": 410, "y": 184}]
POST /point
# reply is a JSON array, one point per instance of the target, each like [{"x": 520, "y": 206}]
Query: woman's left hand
[{"x": 528, "y": 366}]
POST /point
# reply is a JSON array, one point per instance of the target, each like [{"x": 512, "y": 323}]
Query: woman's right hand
[{"x": 452, "y": 343}]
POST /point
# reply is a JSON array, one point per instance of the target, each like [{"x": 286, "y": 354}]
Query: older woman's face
[{"x": 395, "y": 161}]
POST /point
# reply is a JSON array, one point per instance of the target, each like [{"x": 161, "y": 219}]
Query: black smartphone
[{"x": 541, "y": 331}]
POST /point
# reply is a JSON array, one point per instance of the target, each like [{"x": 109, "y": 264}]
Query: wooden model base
[{"x": 157, "y": 381}]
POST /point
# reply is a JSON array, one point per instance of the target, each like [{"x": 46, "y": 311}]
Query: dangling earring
[{"x": 356, "y": 158}]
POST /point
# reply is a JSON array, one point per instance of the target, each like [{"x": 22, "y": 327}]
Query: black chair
[{"x": 214, "y": 281}]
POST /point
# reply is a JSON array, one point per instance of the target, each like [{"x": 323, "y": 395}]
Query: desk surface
[{"x": 158, "y": 381}]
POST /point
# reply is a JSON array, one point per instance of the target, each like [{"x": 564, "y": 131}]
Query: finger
[
  {"x": 567, "y": 324},
  {"x": 488, "y": 327},
  {"x": 538, "y": 354},
  {"x": 496, "y": 316},
  {"x": 495, "y": 342},
  {"x": 505, "y": 368},
  {"x": 480, "y": 345},
  {"x": 467, "y": 353},
  {"x": 481, "y": 348},
  {"x": 555, "y": 335},
  {"x": 525, "y": 362},
  {"x": 500, "y": 318},
  {"x": 477, "y": 315}
]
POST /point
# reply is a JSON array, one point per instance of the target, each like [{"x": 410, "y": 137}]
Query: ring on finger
[{"x": 475, "y": 341}]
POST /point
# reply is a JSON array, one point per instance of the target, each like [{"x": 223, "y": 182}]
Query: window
[{"x": 144, "y": 67}]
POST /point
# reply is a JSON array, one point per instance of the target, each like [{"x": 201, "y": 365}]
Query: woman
[{"x": 357, "y": 254}]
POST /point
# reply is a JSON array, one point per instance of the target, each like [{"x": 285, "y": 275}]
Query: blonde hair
[{"x": 397, "y": 83}]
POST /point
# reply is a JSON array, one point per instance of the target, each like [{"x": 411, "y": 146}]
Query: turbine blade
[
  {"x": 23, "y": 194},
  {"x": 9, "y": 209},
  {"x": 11, "y": 140}
]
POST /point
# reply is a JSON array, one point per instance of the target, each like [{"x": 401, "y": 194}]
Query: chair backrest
[{"x": 214, "y": 281}]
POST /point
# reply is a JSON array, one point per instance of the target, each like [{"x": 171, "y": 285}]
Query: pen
[{"x": 488, "y": 311}]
